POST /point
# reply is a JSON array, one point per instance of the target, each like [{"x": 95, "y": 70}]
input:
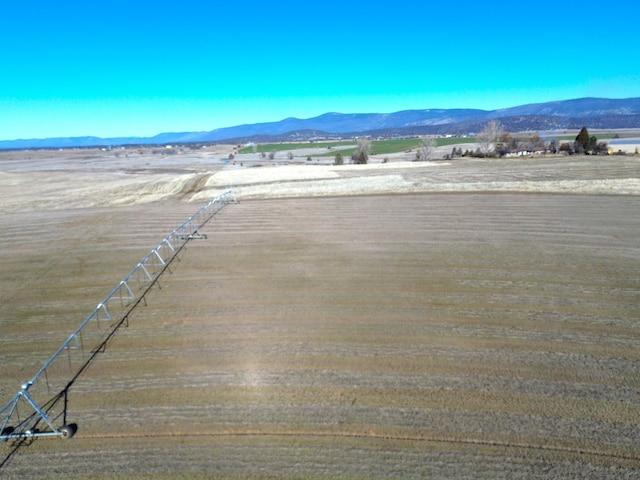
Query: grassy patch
[
  {"x": 280, "y": 147},
  {"x": 378, "y": 147},
  {"x": 443, "y": 142}
]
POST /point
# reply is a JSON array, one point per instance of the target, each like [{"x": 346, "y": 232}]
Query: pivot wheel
[
  {"x": 6, "y": 432},
  {"x": 68, "y": 431}
]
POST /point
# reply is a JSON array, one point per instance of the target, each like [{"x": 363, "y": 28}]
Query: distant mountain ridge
[{"x": 601, "y": 113}]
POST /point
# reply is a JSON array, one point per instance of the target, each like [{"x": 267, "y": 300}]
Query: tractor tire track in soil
[{"x": 356, "y": 435}]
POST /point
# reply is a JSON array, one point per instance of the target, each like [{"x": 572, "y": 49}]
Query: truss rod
[{"x": 41, "y": 409}]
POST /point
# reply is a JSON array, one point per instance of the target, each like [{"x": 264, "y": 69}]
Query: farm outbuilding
[{"x": 624, "y": 145}]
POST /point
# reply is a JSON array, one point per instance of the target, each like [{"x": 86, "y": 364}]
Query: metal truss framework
[{"x": 41, "y": 402}]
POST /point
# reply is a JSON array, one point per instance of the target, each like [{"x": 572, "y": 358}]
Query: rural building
[{"x": 625, "y": 145}]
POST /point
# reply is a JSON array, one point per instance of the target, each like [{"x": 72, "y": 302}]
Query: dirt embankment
[{"x": 61, "y": 181}]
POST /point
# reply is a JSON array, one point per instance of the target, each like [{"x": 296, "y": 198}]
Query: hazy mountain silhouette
[{"x": 566, "y": 114}]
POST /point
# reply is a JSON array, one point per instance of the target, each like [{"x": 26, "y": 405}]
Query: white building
[{"x": 626, "y": 145}]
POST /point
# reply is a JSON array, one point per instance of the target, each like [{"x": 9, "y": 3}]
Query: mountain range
[{"x": 594, "y": 113}]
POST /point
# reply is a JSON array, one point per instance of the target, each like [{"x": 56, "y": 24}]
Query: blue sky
[{"x": 138, "y": 68}]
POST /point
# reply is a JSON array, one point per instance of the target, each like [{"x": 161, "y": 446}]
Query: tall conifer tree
[{"x": 583, "y": 139}]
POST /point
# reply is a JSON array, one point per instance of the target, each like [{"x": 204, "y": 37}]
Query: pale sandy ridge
[
  {"x": 292, "y": 181},
  {"x": 67, "y": 183}
]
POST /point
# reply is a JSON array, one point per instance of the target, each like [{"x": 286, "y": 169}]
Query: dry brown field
[{"x": 476, "y": 324}]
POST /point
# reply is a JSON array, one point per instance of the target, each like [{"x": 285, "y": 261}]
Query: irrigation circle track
[{"x": 356, "y": 435}]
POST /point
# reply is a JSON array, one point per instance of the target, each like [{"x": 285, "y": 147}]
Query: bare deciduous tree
[
  {"x": 427, "y": 150},
  {"x": 361, "y": 155},
  {"x": 490, "y": 134}
]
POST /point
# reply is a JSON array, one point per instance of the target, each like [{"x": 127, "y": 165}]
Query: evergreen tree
[{"x": 583, "y": 139}]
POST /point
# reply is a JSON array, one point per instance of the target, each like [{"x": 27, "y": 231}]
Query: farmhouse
[{"x": 625, "y": 145}]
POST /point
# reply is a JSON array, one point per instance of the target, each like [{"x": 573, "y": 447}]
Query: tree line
[{"x": 494, "y": 141}]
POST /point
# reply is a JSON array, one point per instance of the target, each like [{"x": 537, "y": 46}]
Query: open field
[
  {"x": 347, "y": 147},
  {"x": 473, "y": 319},
  {"x": 394, "y": 146}
]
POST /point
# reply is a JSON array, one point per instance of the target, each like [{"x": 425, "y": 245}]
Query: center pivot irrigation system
[{"x": 41, "y": 402}]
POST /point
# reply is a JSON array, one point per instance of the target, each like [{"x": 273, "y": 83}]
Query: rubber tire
[
  {"x": 7, "y": 431},
  {"x": 68, "y": 431}
]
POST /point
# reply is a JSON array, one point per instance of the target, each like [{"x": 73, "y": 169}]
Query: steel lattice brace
[{"x": 41, "y": 402}]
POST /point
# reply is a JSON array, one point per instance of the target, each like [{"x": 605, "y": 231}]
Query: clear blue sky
[{"x": 138, "y": 68}]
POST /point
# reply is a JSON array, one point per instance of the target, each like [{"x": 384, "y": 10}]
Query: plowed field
[{"x": 416, "y": 335}]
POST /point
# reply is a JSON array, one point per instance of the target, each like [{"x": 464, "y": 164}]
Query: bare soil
[{"x": 472, "y": 319}]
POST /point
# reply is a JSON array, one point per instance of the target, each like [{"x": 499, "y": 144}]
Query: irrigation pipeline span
[{"x": 41, "y": 402}]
